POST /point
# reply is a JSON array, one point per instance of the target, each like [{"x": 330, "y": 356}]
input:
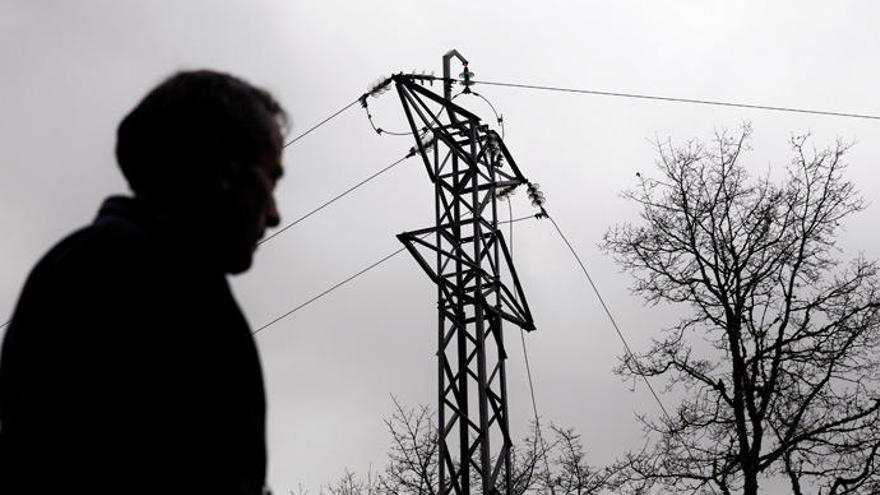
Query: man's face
[{"x": 250, "y": 209}]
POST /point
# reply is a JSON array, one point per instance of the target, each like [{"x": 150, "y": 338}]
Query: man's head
[{"x": 205, "y": 147}]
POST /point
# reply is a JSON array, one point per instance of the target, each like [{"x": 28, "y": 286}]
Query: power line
[
  {"x": 617, "y": 94},
  {"x": 349, "y": 279},
  {"x": 319, "y": 124},
  {"x": 331, "y": 289},
  {"x": 297, "y": 138},
  {"x": 522, "y": 338},
  {"x": 379, "y": 130},
  {"x": 370, "y": 267},
  {"x": 498, "y": 118},
  {"x": 345, "y": 193},
  {"x": 630, "y": 355},
  {"x": 520, "y": 219},
  {"x": 629, "y": 352},
  {"x": 336, "y": 198},
  {"x": 521, "y": 331},
  {"x": 678, "y": 100},
  {"x": 316, "y": 210}
]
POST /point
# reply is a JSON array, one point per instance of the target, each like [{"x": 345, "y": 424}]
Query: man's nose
[{"x": 273, "y": 218}]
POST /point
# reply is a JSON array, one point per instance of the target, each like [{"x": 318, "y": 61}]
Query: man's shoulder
[
  {"x": 90, "y": 281},
  {"x": 105, "y": 245}
]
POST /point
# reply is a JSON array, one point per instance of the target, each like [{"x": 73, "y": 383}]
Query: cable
[
  {"x": 677, "y": 100},
  {"x": 319, "y": 124},
  {"x": 598, "y": 93},
  {"x": 521, "y": 331},
  {"x": 335, "y": 198},
  {"x": 522, "y": 337},
  {"x": 316, "y": 210},
  {"x": 629, "y": 351},
  {"x": 517, "y": 220},
  {"x": 379, "y": 130},
  {"x": 339, "y": 196},
  {"x": 498, "y": 118},
  {"x": 349, "y": 279},
  {"x": 307, "y": 215},
  {"x": 510, "y": 230},
  {"x": 331, "y": 289}
]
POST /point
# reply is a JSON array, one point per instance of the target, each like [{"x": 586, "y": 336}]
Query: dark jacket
[{"x": 129, "y": 368}]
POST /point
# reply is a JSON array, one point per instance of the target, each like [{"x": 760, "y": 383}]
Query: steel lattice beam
[{"x": 465, "y": 255}]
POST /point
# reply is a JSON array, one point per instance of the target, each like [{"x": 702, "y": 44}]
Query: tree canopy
[{"x": 777, "y": 359}]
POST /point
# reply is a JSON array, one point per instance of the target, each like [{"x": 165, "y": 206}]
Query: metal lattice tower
[{"x": 464, "y": 253}]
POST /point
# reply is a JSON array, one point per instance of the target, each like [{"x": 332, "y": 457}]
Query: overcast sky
[{"x": 70, "y": 71}]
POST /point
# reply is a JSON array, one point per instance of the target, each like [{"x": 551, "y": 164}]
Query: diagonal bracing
[{"x": 465, "y": 255}]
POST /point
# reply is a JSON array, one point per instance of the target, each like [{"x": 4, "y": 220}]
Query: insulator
[
  {"x": 379, "y": 87},
  {"x": 423, "y": 76},
  {"x": 427, "y": 139},
  {"x": 466, "y": 76},
  {"x": 497, "y": 157},
  {"x": 535, "y": 195},
  {"x": 505, "y": 193}
]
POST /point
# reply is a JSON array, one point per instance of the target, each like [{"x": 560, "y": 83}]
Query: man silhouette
[{"x": 127, "y": 366}]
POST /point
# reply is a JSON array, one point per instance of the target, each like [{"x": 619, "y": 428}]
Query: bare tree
[
  {"x": 412, "y": 460},
  {"x": 777, "y": 363},
  {"x": 556, "y": 466},
  {"x": 569, "y": 474},
  {"x": 352, "y": 484}
]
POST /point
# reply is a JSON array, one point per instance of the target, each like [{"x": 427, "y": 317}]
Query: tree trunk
[{"x": 750, "y": 485}]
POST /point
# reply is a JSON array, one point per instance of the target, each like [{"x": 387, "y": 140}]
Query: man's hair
[{"x": 190, "y": 128}]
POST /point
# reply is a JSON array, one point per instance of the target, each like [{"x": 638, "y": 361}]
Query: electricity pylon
[{"x": 464, "y": 253}]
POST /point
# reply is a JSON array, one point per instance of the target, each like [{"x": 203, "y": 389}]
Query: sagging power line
[
  {"x": 679, "y": 100},
  {"x": 336, "y": 198},
  {"x": 629, "y": 353},
  {"x": 595, "y": 92},
  {"x": 631, "y": 357},
  {"x": 319, "y": 124}
]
